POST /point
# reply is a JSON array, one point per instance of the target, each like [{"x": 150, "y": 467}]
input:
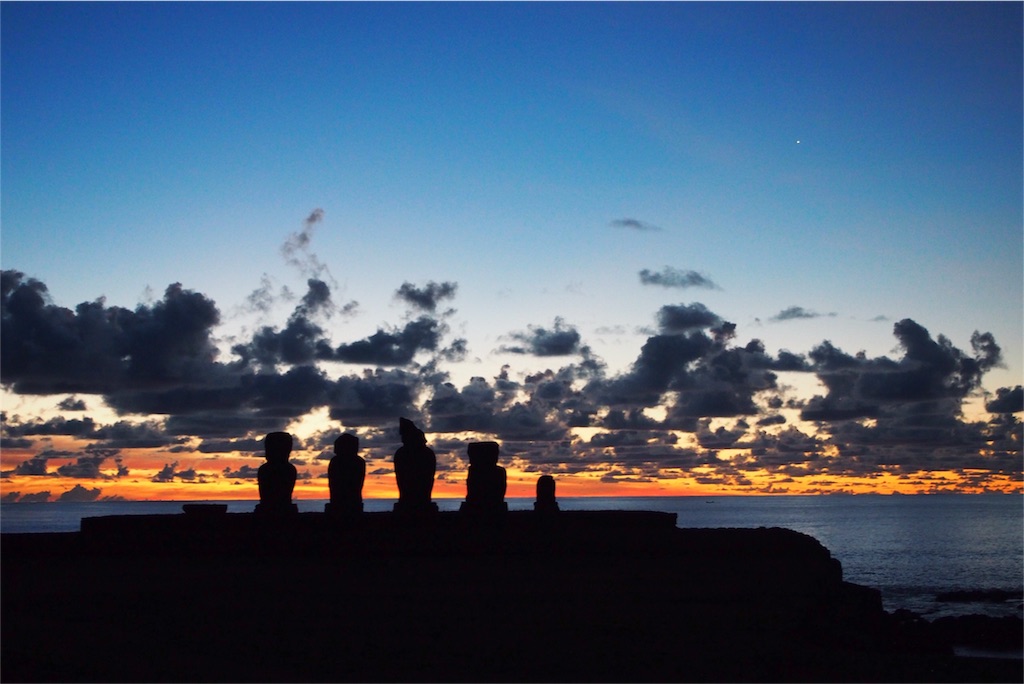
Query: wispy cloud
[
  {"x": 298, "y": 252},
  {"x": 794, "y": 313},
  {"x": 634, "y": 224}
]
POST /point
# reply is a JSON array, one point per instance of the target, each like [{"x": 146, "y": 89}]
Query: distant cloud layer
[{"x": 159, "y": 368}]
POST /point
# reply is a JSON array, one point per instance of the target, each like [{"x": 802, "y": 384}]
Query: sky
[{"x": 650, "y": 249}]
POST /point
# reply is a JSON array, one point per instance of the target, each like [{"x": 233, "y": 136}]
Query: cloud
[
  {"x": 84, "y": 427},
  {"x": 671, "y": 277},
  {"x": 899, "y": 413},
  {"x": 561, "y": 340},
  {"x": 46, "y": 349},
  {"x": 225, "y": 446},
  {"x": 71, "y": 404},
  {"x": 628, "y": 419},
  {"x": 14, "y": 443},
  {"x": 662, "y": 359},
  {"x": 301, "y": 341},
  {"x": 35, "y": 466},
  {"x": 88, "y": 467},
  {"x": 396, "y": 347},
  {"x": 297, "y": 250},
  {"x": 720, "y": 438},
  {"x": 119, "y": 435},
  {"x": 317, "y": 299},
  {"x": 634, "y": 224},
  {"x": 79, "y": 494},
  {"x": 471, "y": 408},
  {"x": 37, "y": 497},
  {"x": 551, "y": 405},
  {"x": 917, "y": 397},
  {"x": 675, "y": 319},
  {"x": 375, "y": 397},
  {"x": 170, "y": 471},
  {"x": 263, "y": 299},
  {"x": 797, "y": 312},
  {"x": 244, "y": 472},
  {"x": 179, "y": 375},
  {"x": 291, "y": 394},
  {"x": 188, "y": 475},
  {"x": 1007, "y": 400},
  {"x": 427, "y": 297}
]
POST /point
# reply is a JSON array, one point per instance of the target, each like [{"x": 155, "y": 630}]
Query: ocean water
[{"x": 911, "y": 548}]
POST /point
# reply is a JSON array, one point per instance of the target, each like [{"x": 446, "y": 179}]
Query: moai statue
[
  {"x": 276, "y": 477},
  {"x": 486, "y": 483},
  {"x": 545, "y": 502},
  {"x": 345, "y": 475},
  {"x": 415, "y": 464}
]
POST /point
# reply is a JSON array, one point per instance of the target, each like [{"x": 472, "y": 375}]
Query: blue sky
[{"x": 826, "y": 169}]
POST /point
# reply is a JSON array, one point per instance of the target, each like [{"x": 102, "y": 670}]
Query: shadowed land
[{"x": 524, "y": 596}]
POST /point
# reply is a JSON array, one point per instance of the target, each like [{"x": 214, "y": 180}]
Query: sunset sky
[{"x": 723, "y": 248}]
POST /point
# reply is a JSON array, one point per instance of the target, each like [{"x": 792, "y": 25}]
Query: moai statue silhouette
[
  {"x": 345, "y": 476},
  {"x": 486, "y": 482},
  {"x": 276, "y": 477},
  {"x": 415, "y": 464},
  {"x": 545, "y": 502}
]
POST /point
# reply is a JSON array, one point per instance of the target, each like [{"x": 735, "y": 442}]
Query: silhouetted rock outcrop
[{"x": 981, "y": 631}]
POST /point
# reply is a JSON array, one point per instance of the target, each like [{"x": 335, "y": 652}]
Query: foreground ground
[{"x": 596, "y": 596}]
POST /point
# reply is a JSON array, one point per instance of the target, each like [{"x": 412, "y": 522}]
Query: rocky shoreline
[{"x": 569, "y": 596}]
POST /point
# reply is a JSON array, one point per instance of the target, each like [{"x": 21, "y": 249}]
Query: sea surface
[{"x": 911, "y": 548}]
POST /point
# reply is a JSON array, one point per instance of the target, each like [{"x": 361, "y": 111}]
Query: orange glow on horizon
[
  {"x": 160, "y": 475},
  {"x": 522, "y": 486}
]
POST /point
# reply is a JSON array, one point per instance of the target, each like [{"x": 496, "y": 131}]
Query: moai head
[
  {"x": 545, "y": 489},
  {"x": 483, "y": 454},
  {"x": 277, "y": 447},
  {"x": 347, "y": 445},
  {"x": 410, "y": 434}
]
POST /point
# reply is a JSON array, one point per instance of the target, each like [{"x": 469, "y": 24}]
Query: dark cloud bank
[{"x": 159, "y": 361}]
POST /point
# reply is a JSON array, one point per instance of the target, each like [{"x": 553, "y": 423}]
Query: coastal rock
[{"x": 981, "y": 631}]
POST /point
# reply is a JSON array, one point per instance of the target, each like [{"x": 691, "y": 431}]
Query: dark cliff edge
[{"x": 573, "y": 596}]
